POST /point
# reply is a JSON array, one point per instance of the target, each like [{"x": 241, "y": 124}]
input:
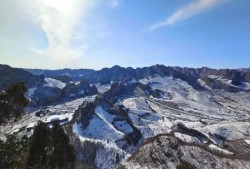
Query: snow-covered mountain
[
  {"x": 155, "y": 117},
  {"x": 236, "y": 78},
  {"x": 75, "y": 74},
  {"x": 125, "y": 122}
]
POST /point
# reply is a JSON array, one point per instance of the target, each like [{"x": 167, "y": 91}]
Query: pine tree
[
  {"x": 40, "y": 147},
  {"x": 63, "y": 155},
  {"x": 12, "y": 102},
  {"x": 50, "y": 148},
  {"x": 16, "y": 98}
]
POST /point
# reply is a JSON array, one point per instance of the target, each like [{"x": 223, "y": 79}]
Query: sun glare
[{"x": 63, "y": 6}]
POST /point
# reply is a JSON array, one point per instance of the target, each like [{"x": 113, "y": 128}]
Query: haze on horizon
[{"x": 94, "y": 34}]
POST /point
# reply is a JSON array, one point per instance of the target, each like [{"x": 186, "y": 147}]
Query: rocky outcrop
[
  {"x": 63, "y": 78},
  {"x": 72, "y": 90},
  {"x": 118, "y": 89},
  {"x": 45, "y": 95},
  {"x": 165, "y": 151},
  {"x": 86, "y": 114}
]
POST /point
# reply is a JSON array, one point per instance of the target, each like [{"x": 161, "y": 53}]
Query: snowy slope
[
  {"x": 211, "y": 114},
  {"x": 54, "y": 83},
  {"x": 205, "y": 114}
]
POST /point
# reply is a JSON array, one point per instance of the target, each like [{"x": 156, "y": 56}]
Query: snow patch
[
  {"x": 247, "y": 141},
  {"x": 138, "y": 103},
  {"x": 60, "y": 117},
  {"x": 99, "y": 129},
  {"x": 216, "y": 148},
  {"x": 245, "y": 86},
  {"x": 104, "y": 115},
  {"x": 187, "y": 138},
  {"x": 203, "y": 84},
  {"x": 31, "y": 91},
  {"x": 103, "y": 88},
  {"x": 132, "y": 81},
  {"x": 54, "y": 83}
]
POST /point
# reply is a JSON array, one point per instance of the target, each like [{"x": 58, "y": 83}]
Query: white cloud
[
  {"x": 58, "y": 19},
  {"x": 57, "y": 24},
  {"x": 187, "y": 12}
]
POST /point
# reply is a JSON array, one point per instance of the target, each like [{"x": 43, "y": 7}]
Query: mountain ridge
[
  {"x": 190, "y": 75},
  {"x": 157, "y": 116}
]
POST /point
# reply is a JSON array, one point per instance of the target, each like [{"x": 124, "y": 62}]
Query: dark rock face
[
  {"x": 236, "y": 81},
  {"x": 46, "y": 95},
  {"x": 70, "y": 88},
  {"x": 166, "y": 151},
  {"x": 116, "y": 73},
  {"x": 191, "y": 132},
  {"x": 217, "y": 84},
  {"x": 75, "y": 74},
  {"x": 160, "y": 152},
  {"x": 87, "y": 112},
  {"x": 119, "y": 89},
  {"x": 9, "y": 75},
  {"x": 63, "y": 78},
  {"x": 157, "y": 93},
  {"x": 207, "y": 80},
  {"x": 231, "y": 74},
  {"x": 80, "y": 90}
]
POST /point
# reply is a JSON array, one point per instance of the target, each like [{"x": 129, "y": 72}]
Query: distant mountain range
[
  {"x": 150, "y": 117},
  {"x": 117, "y": 73},
  {"x": 75, "y": 74},
  {"x": 49, "y": 86},
  {"x": 33, "y": 77},
  {"x": 10, "y": 75}
]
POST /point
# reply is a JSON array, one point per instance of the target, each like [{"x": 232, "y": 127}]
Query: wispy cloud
[
  {"x": 58, "y": 19},
  {"x": 63, "y": 26},
  {"x": 187, "y": 12}
]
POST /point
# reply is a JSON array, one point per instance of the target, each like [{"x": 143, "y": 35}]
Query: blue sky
[{"x": 101, "y": 33}]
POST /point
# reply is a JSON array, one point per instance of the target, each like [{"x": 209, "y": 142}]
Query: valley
[{"x": 162, "y": 118}]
